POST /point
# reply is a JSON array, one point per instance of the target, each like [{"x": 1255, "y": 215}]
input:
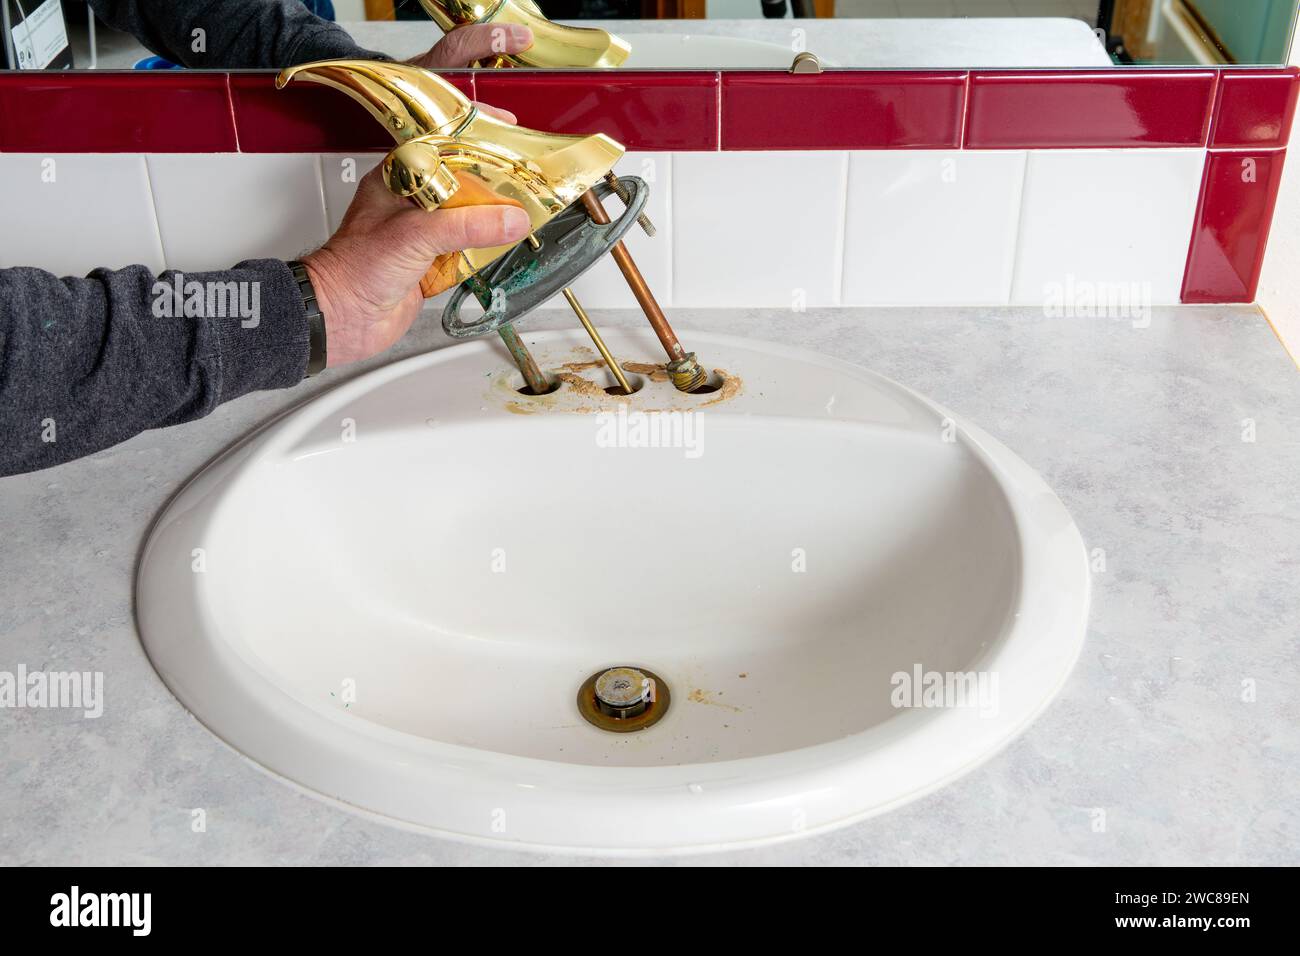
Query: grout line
[
  {"x": 670, "y": 233},
  {"x": 153, "y": 205},
  {"x": 841, "y": 238},
  {"x": 320, "y": 192},
  {"x": 1244, "y": 150},
  {"x": 1020, "y": 228},
  {"x": 1198, "y": 214},
  {"x": 1212, "y": 120},
  {"x": 230, "y": 105},
  {"x": 965, "y": 111},
  {"x": 717, "y": 142}
]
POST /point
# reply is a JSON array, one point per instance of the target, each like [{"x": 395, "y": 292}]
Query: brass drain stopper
[{"x": 623, "y": 699}]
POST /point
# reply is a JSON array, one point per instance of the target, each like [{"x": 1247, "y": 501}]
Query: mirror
[{"x": 764, "y": 34}]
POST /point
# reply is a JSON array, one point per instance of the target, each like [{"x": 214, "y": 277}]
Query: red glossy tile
[
  {"x": 642, "y": 110},
  {"x": 308, "y": 117},
  {"x": 108, "y": 112},
  {"x": 779, "y": 110},
  {"x": 1255, "y": 108},
  {"x": 1238, "y": 195},
  {"x": 1089, "y": 110}
]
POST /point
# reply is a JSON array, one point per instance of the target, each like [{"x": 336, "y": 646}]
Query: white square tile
[
  {"x": 603, "y": 286},
  {"x": 1121, "y": 216},
  {"x": 340, "y": 173},
  {"x": 931, "y": 227},
  {"x": 758, "y": 228},
  {"x": 69, "y": 214},
  {"x": 215, "y": 209}
]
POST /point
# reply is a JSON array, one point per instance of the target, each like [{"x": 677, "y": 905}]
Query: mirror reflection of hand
[
  {"x": 472, "y": 42},
  {"x": 367, "y": 275}
]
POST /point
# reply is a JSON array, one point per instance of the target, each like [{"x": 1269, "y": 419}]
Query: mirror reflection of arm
[{"x": 236, "y": 34}]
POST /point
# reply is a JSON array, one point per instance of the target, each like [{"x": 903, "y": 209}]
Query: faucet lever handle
[
  {"x": 415, "y": 170},
  {"x": 468, "y": 190}
]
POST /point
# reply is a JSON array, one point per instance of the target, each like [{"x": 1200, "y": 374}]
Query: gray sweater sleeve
[
  {"x": 237, "y": 34},
  {"x": 87, "y": 363}
]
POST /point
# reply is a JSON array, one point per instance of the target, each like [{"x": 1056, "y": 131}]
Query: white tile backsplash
[
  {"x": 340, "y": 173},
  {"x": 934, "y": 227},
  {"x": 69, "y": 214},
  {"x": 1106, "y": 218},
  {"x": 215, "y": 209},
  {"x": 603, "y": 286},
  {"x": 758, "y": 228},
  {"x": 893, "y": 227}
]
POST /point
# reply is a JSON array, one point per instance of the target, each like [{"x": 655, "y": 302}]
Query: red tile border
[
  {"x": 308, "y": 117},
  {"x": 115, "y": 112},
  {"x": 858, "y": 110},
  {"x": 1255, "y": 108},
  {"x": 660, "y": 110},
  {"x": 1077, "y": 110},
  {"x": 198, "y": 111},
  {"x": 1233, "y": 217}
]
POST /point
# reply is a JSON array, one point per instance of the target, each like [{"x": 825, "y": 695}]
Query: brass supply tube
[
  {"x": 612, "y": 362},
  {"x": 596, "y": 340}
]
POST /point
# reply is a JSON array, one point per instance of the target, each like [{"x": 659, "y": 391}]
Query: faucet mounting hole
[
  {"x": 635, "y": 382},
  {"x": 711, "y": 385},
  {"x": 552, "y": 383}
]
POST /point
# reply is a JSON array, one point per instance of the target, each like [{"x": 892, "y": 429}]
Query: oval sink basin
[{"x": 394, "y": 594}]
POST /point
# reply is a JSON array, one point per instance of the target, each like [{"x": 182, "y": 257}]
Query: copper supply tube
[{"x": 644, "y": 297}]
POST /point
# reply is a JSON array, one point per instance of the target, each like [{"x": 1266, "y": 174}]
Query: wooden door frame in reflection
[{"x": 380, "y": 10}]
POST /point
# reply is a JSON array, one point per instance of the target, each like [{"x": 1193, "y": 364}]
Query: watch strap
[{"x": 315, "y": 318}]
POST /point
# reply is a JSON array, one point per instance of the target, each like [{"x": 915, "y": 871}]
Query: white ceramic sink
[{"x": 393, "y": 594}]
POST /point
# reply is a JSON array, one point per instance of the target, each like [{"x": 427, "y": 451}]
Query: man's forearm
[
  {"x": 87, "y": 363},
  {"x": 236, "y": 34}
]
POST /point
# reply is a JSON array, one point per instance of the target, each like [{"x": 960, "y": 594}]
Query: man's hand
[
  {"x": 367, "y": 274},
  {"x": 476, "y": 41}
]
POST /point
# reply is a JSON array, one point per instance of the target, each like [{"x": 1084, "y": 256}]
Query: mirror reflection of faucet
[{"x": 554, "y": 45}]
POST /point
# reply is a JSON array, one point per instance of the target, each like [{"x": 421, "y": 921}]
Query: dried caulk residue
[
  {"x": 582, "y": 366},
  {"x": 586, "y": 388},
  {"x": 656, "y": 373},
  {"x": 580, "y": 394},
  {"x": 707, "y": 697}
]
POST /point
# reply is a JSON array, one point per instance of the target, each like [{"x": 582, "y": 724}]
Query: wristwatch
[{"x": 315, "y": 318}]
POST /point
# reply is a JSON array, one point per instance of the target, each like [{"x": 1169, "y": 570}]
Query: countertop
[
  {"x": 942, "y": 43},
  {"x": 919, "y": 43},
  {"x": 1139, "y": 430}
]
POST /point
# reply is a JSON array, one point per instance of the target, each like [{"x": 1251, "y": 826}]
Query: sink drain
[{"x": 623, "y": 699}]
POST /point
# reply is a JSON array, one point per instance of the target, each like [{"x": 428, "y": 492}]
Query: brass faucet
[
  {"x": 443, "y": 137},
  {"x": 554, "y": 45},
  {"x": 450, "y": 153}
]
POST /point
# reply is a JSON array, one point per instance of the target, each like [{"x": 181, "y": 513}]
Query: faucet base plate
[{"x": 525, "y": 277}]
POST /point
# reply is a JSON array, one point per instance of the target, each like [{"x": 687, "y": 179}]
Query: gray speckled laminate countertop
[{"x": 1139, "y": 430}]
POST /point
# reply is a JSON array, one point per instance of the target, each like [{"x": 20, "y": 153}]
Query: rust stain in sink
[{"x": 700, "y": 696}]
